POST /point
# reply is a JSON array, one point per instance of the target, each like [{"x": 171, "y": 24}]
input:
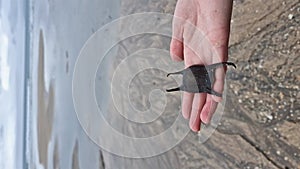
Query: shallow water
[{"x": 12, "y": 82}]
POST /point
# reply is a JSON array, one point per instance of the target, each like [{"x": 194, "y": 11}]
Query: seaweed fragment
[{"x": 199, "y": 78}]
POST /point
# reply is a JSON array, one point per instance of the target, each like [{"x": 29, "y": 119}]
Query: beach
[{"x": 259, "y": 124}]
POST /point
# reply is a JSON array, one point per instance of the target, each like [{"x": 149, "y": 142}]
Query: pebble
[
  {"x": 285, "y": 158},
  {"x": 281, "y": 95},
  {"x": 291, "y": 16},
  {"x": 270, "y": 117},
  {"x": 278, "y": 152}
]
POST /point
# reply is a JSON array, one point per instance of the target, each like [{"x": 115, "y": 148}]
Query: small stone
[
  {"x": 278, "y": 152},
  {"x": 291, "y": 16},
  {"x": 270, "y": 117},
  {"x": 275, "y": 129},
  {"x": 280, "y": 85},
  {"x": 292, "y": 100},
  {"x": 240, "y": 101},
  {"x": 285, "y": 158}
]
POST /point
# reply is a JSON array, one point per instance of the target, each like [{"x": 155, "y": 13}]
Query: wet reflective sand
[{"x": 45, "y": 107}]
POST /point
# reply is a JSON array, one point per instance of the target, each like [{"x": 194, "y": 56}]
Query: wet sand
[
  {"x": 45, "y": 107},
  {"x": 75, "y": 160},
  {"x": 56, "y": 156}
]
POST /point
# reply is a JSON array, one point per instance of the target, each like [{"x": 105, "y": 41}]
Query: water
[{"x": 12, "y": 45}]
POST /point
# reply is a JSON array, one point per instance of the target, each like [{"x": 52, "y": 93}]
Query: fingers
[
  {"x": 208, "y": 109},
  {"x": 187, "y": 101},
  {"x": 198, "y": 103}
]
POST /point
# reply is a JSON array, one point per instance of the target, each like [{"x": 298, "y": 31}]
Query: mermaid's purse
[{"x": 199, "y": 78}]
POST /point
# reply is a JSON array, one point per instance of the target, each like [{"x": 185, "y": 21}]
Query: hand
[{"x": 200, "y": 36}]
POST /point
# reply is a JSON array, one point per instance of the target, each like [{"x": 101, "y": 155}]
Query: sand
[
  {"x": 45, "y": 107},
  {"x": 260, "y": 126}
]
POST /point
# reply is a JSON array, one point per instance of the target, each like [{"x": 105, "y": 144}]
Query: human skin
[{"x": 200, "y": 36}]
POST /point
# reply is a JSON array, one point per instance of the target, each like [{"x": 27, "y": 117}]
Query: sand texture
[{"x": 260, "y": 127}]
